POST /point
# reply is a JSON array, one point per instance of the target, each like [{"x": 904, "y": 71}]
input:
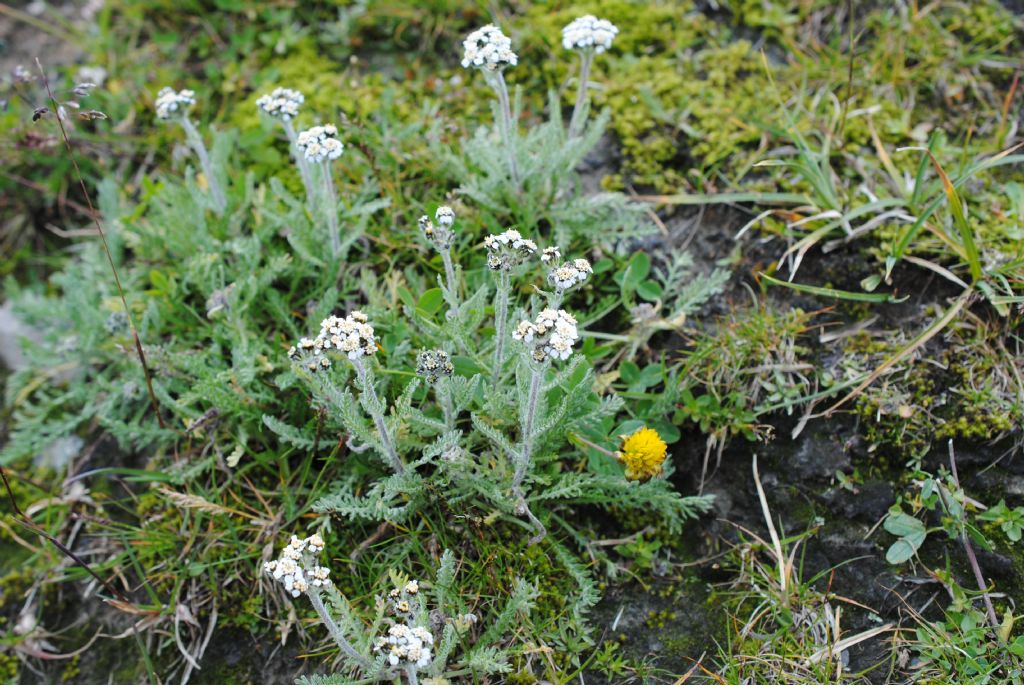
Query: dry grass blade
[
  {"x": 844, "y": 644},
  {"x": 917, "y": 342},
  {"x": 776, "y": 542},
  {"x": 204, "y": 505}
]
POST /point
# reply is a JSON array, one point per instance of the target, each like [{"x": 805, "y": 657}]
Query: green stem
[
  {"x": 451, "y": 283},
  {"x": 331, "y": 208},
  {"x": 506, "y": 124},
  {"x": 300, "y": 161},
  {"x": 444, "y": 394},
  {"x": 373, "y": 409},
  {"x": 195, "y": 140},
  {"x": 501, "y": 319},
  {"x": 576, "y": 122},
  {"x": 529, "y": 419},
  {"x": 334, "y": 630}
]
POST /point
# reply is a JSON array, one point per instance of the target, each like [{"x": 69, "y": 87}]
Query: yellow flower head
[{"x": 642, "y": 453}]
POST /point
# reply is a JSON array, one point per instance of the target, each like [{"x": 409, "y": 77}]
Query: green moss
[
  {"x": 8, "y": 667},
  {"x": 72, "y": 669}
]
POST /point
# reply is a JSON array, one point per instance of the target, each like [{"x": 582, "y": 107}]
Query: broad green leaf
[
  {"x": 636, "y": 271},
  {"x": 431, "y": 301},
  {"x": 649, "y": 290},
  {"x": 903, "y": 524}
]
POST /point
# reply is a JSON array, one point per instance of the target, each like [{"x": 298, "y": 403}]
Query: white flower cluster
[
  {"x": 569, "y": 274},
  {"x": 351, "y": 335},
  {"x": 488, "y": 48},
  {"x": 589, "y": 32},
  {"x": 550, "y": 254},
  {"x": 171, "y": 103},
  {"x": 442, "y": 236},
  {"x": 281, "y": 103},
  {"x": 400, "y": 597},
  {"x": 320, "y": 143},
  {"x": 296, "y": 568},
  {"x": 433, "y": 365},
  {"x": 507, "y": 250},
  {"x": 552, "y": 335},
  {"x": 406, "y": 644},
  {"x": 445, "y": 216}
]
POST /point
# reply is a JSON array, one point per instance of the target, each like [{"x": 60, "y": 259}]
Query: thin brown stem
[
  {"x": 106, "y": 249},
  {"x": 972, "y": 559}
]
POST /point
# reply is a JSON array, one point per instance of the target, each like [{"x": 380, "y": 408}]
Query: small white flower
[
  {"x": 488, "y": 48},
  {"x": 320, "y": 143},
  {"x": 524, "y": 331},
  {"x": 281, "y": 103},
  {"x": 412, "y": 587},
  {"x": 551, "y": 335},
  {"x": 171, "y": 103},
  {"x": 293, "y": 568},
  {"x": 315, "y": 543},
  {"x": 569, "y": 274},
  {"x": 319, "y": 576},
  {"x": 445, "y": 215},
  {"x": 508, "y": 249},
  {"x": 406, "y": 644},
  {"x": 432, "y": 365},
  {"x": 350, "y": 335},
  {"x": 589, "y": 33},
  {"x": 550, "y": 254}
]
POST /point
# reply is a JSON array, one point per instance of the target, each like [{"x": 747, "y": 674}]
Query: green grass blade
[
  {"x": 956, "y": 207},
  {"x": 832, "y": 292},
  {"x": 728, "y": 198}
]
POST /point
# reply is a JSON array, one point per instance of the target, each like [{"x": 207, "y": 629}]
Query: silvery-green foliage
[
  {"x": 464, "y": 646},
  {"x": 304, "y": 228},
  {"x": 550, "y": 189},
  {"x": 391, "y": 498},
  {"x": 218, "y": 302},
  {"x": 677, "y": 276}
]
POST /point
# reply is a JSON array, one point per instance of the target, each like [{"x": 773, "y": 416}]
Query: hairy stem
[
  {"x": 529, "y": 419},
  {"x": 444, "y": 394},
  {"x": 300, "y": 161},
  {"x": 576, "y": 122},
  {"x": 500, "y": 319},
  {"x": 505, "y": 123},
  {"x": 410, "y": 672},
  {"x": 334, "y": 630},
  {"x": 331, "y": 208},
  {"x": 522, "y": 460},
  {"x": 451, "y": 283},
  {"x": 195, "y": 140},
  {"x": 378, "y": 417}
]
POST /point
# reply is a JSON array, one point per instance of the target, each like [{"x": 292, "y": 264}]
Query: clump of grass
[{"x": 785, "y": 628}]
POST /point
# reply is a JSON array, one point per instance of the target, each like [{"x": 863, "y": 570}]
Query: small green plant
[
  {"x": 966, "y": 644},
  {"x": 415, "y": 630},
  {"x": 962, "y": 647}
]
